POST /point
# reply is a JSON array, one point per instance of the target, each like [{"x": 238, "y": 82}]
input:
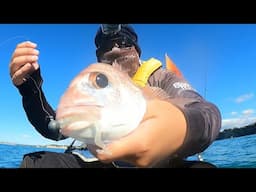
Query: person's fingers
[
  {"x": 20, "y": 75},
  {"x": 18, "y": 62},
  {"x": 142, "y": 147},
  {"x": 35, "y": 65},
  {"x": 25, "y": 48},
  {"x": 24, "y": 51},
  {"x": 26, "y": 44},
  {"x": 93, "y": 149},
  {"x": 126, "y": 147}
]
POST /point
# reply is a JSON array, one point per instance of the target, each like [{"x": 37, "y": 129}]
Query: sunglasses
[
  {"x": 108, "y": 43},
  {"x": 119, "y": 41}
]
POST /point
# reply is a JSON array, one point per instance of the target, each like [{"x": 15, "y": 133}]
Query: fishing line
[
  {"x": 4, "y": 42},
  {"x": 40, "y": 97},
  {"x": 205, "y": 79},
  {"x": 13, "y": 38},
  {"x": 53, "y": 124}
]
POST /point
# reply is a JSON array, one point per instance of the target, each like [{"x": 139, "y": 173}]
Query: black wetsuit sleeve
[
  {"x": 203, "y": 118},
  {"x": 38, "y": 111}
]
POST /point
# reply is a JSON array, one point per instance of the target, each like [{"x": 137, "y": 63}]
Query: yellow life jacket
[
  {"x": 148, "y": 67},
  {"x": 145, "y": 70}
]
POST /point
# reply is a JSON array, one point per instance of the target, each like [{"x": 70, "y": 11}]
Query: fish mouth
[
  {"x": 74, "y": 118},
  {"x": 68, "y": 126},
  {"x": 77, "y": 109}
]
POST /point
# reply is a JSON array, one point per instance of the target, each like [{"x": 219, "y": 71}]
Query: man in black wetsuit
[{"x": 168, "y": 134}]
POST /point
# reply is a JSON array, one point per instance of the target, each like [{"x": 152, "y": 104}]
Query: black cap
[{"x": 126, "y": 35}]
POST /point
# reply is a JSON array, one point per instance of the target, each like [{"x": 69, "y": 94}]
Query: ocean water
[
  {"x": 11, "y": 155},
  {"x": 237, "y": 152}
]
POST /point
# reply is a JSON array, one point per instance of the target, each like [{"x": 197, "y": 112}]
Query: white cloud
[
  {"x": 237, "y": 122},
  {"x": 244, "y": 97},
  {"x": 234, "y": 113},
  {"x": 248, "y": 112}
]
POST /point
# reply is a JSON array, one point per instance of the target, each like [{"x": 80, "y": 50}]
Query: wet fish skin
[{"x": 100, "y": 105}]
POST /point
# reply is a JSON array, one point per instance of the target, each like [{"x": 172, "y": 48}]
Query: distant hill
[{"x": 237, "y": 132}]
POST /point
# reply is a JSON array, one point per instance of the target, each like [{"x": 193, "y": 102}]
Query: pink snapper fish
[{"x": 103, "y": 104}]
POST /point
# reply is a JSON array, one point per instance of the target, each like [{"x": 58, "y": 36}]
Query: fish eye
[{"x": 98, "y": 80}]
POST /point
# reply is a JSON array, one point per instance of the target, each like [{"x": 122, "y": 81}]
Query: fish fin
[
  {"x": 155, "y": 93},
  {"x": 99, "y": 142},
  {"x": 172, "y": 67},
  {"x": 98, "y": 139}
]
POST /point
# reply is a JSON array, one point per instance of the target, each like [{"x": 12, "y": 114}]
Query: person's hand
[
  {"x": 23, "y": 62},
  {"x": 159, "y": 135}
]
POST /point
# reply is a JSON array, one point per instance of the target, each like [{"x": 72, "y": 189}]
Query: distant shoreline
[{"x": 39, "y": 146}]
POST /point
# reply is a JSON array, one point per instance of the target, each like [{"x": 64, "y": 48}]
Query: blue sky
[{"x": 217, "y": 59}]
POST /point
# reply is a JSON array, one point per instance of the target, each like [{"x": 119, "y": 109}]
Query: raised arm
[{"x": 25, "y": 75}]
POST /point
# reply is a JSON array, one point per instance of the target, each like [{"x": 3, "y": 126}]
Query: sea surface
[{"x": 237, "y": 152}]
